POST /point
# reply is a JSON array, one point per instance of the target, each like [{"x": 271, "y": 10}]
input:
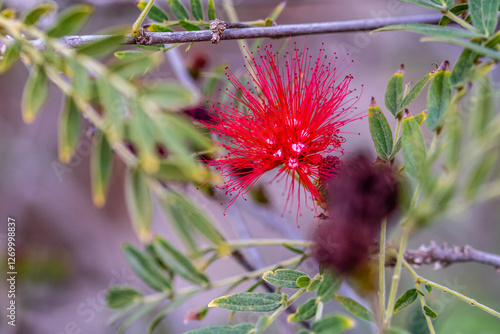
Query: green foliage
[
  {"x": 413, "y": 146},
  {"x": 138, "y": 203},
  {"x": 305, "y": 311},
  {"x": 178, "y": 262},
  {"x": 249, "y": 302},
  {"x": 430, "y": 312},
  {"x": 71, "y": 20},
  {"x": 100, "y": 169},
  {"x": 35, "y": 94},
  {"x": 285, "y": 278},
  {"x": 39, "y": 10},
  {"x": 438, "y": 97},
  {"x": 333, "y": 324},
  {"x": 68, "y": 130},
  {"x": 144, "y": 266},
  {"x": 380, "y": 131},
  {"x": 484, "y": 15},
  {"x": 328, "y": 287},
  {"x": 155, "y": 13},
  {"x": 226, "y": 329},
  {"x": 405, "y": 300},
  {"x": 119, "y": 297},
  {"x": 355, "y": 308}
]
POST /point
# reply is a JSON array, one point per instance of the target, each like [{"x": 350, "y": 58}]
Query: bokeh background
[{"x": 69, "y": 252}]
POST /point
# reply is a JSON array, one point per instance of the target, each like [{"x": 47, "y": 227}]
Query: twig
[
  {"x": 442, "y": 256},
  {"x": 155, "y": 38}
]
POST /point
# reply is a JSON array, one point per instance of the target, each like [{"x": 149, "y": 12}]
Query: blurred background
[{"x": 69, "y": 252}]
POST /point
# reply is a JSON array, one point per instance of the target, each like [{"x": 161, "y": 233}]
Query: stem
[
  {"x": 466, "y": 299},
  {"x": 269, "y": 242},
  {"x": 422, "y": 300},
  {"x": 381, "y": 273},
  {"x": 138, "y": 22},
  {"x": 319, "y": 311},
  {"x": 398, "y": 129},
  {"x": 289, "y": 302},
  {"x": 462, "y": 22},
  {"x": 280, "y": 31},
  {"x": 396, "y": 276}
]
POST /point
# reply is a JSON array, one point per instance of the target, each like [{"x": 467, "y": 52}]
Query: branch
[
  {"x": 442, "y": 256},
  {"x": 156, "y": 38}
]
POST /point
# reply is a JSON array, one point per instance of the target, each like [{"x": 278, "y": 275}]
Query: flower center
[
  {"x": 293, "y": 162},
  {"x": 298, "y": 147}
]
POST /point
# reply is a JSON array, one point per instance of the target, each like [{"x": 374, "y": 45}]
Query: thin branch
[
  {"x": 442, "y": 256},
  {"x": 155, "y": 38}
]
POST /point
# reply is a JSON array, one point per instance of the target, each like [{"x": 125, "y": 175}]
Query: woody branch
[
  {"x": 442, "y": 256},
  {"x": 280, "y": 31}
]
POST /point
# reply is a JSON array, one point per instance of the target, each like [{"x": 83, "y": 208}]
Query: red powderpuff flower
[{"x": 291, "y": 120}]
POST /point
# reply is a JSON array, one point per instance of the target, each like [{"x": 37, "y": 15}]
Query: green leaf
[
  {"x": 380, "y": 131},
  {"x": 425, "y": 3},
  {"x": 248, "y": 302},
  {"x": 184, "y": 212},
  {"x": 457, "y": 10},
  {"x": 80, "y": 80},
  {"x": 225, "y": 329},
  {"x": 483, "y": 108},
  {"x": 68, "y": 130},
  {"x": 138, "y": 203},
  {"x": 479, "y": 174},
  {"x": 430, "y": 29},
  {"x": 439, "y": 97},
  {"x": 211, "y": 10},
  {"x": 35, "y": 94},
  {"x": 197, "y": 9},
  {"x": 420, "y": 118},
  {"x": 405, "y": 300},
  {"x": 113, "y": 108},
  {"x": 394, "y": 92},
  {"x": 428, "y": 288},
  {"x": 157, "y": 28},
  {"x": 415, "y": 91},
  {"x": 38, "y": 10},
  {"x": 178, "y": 262},
  {"x": 333, "y": 324},
  {"x": 484, "y": 15},
  {"x": 303, "y": 282},
  {"x": 189, "y": 26},
  {"x": 121, "y": 296},
  {"x": 144, "y": 266},
  {"x": 10, "y": 56},
  {"x": 355, "y": 308},
  {"x": 155, "y": 13},
  {"x": 101, "y": 47},
  {"x": 134, "y": 66},
  {"x": 305, "y": 311},
  {"x": 285, "y": 278},
  {"x": 328, "y": 287},
  {"x": 394, "y": 330},
  {"x": 168, "y": 95},
  {"x": 71, "y": 20},
  {"x": 413, "y": 146},
  {"x": 100, "y": 169},
  {"x": 466, "y": 44},
  {"x": 178, "y": 9},
  {"x": 430, "y": 312},
  {"x": 465, "y": 63},
  {"x": 313, "y": 285}
]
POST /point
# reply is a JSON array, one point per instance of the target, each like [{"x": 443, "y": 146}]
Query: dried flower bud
[{"x": 362, "y": 191}]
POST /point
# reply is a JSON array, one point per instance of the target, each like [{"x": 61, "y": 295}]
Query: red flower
[{"x": 291, "y": 120}]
